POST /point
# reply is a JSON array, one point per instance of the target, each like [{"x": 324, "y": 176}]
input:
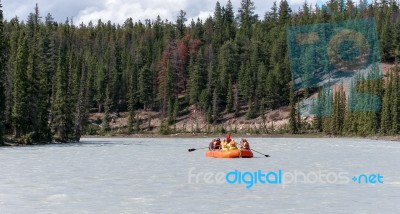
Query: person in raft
[
  {"x": 244, "y": 144},
  {"x": 224, "y": 145},
  {"x": 230, "y": 143},
  {"x": 211, "y": 145},
  {"x": 217, "y": 144}
]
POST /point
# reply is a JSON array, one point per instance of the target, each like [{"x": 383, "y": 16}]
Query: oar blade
[
  {"x": 191, "y": 150},
  {"x": 260, "y": 153}
]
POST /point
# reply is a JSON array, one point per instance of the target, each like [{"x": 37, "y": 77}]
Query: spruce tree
[
  {"x": 292, "y": 114},
  {"x": 61, "y": 110},
  {"x": 20, "y": 109},
  {"x": 215, "y": 106},
  {"x": 180, "y": 23},
  {"x": 335, "y": 114},
  {"x": 175, "y": 113},
  {"x": 3, "y": 60},
  {"x": 145, "y": 87},
  {"x": 229, "y": 22},
  {"x": 261, "y": 82},
  {"x": 196, "y": 78},
  {"x": 246, "y": 17},
  {"x": 395, "y": 101},
  {"x": 317, "y": 111},
  {"x": 131, "y": 106},
  {"x": 170, "y": 111},
  {"x": 230, "y": 97},
  {"x": 218, "y": 19},
  {"x": 105, "y": 125}
]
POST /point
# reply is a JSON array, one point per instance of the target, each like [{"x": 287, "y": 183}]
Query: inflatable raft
[{"x": 237, "y": 153}]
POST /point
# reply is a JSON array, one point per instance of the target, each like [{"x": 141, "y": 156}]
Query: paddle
[
  {"x": 191, "y": 150},
  {"x": 259, "y": 153}
]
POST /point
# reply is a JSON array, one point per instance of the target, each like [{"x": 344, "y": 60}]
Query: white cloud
[{"x": 119, "y": 10}]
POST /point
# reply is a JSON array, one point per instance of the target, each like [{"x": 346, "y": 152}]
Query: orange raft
[{"x": 237, "y": 153}]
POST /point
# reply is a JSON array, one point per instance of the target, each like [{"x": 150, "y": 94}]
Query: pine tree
[
  {"x": 3, "y": 60},
  {"x": 131, "y": 119},
  {"x": 34, "y": 71},
  {"x": 171, "y": 110},
  {"x": 229, "y": 22},
  {"x": 196, "y": 79},
  {"x": 271, "y": 91},
  {"x": 246, "y": 17},
  {"x": 61, "y": 105},
  {"x": 230, "y": 97},
  {"x": 118, "y": 95},
  {"x": 342, "y": 109},
  {"x": 395, "y": 101},
  {"x": 131, "y": 106},
  {"x": 261, "y": 82},
  {"x": 335, "y": 124},
  {"x": 166, "y": 87},
  {"x": 80, "y": 76},
  {"x": 145, "y": 87},
  {"x": 284, "y": 13},
  {"x": 226, "y": 65},
  {"x": 175, "y": 113},
  {"x": 292, "y": 114},
  {"x": 318, "y": 112},
  {"x": 236, "y": 102},
  {"x": 215, "y": 106},
  {"x": 245, "y": 82},
  {"x": 20, "y": 110},
  {"x": 386, "y": 36},
  {"x": 180, "y": 23},
  {"x": 351, "y": 122},
  {"x": 105, "y": 125},
  {"x": 218, "y": 19}
]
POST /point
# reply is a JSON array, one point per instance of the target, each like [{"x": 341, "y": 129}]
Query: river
[{"x": 160, "y": 176}]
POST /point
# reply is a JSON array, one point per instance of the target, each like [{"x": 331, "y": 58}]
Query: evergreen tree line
[
  {"x": 54, "y": 74},
  {"x": 370, "y": 108}
]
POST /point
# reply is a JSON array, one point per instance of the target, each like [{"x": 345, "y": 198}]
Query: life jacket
[
  {"x": 224, "y": 145},
  {"x": 232, "y": 145}
]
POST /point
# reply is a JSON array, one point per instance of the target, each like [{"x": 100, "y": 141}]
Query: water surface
[{"x": 160, "y": 176}]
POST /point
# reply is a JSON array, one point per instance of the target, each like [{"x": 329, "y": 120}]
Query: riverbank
[{"x": 9, "y": 143}]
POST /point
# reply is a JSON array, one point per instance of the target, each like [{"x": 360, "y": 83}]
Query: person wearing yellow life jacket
[
  {"x": 232, "y": 145},
  {"x": 231, "y": 142},
  {"x": 224, "y": 146}
]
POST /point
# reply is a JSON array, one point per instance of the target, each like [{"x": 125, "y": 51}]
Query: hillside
[
  {"x": 55, "y": 75},
  {"x": 194, "y": 121}
]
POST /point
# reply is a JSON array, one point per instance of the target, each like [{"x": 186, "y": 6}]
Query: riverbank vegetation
[{"x": 55, "y": 75}]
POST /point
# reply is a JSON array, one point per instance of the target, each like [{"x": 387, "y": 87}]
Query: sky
[{"x": 119, "y": 10}]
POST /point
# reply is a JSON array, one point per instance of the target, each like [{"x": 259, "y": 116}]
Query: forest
[{"x": 53, "y": 75}]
